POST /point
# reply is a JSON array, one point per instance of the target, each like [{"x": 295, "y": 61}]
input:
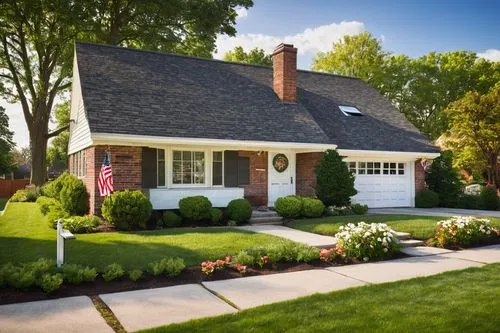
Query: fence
[{"x": 10, "y": 186}]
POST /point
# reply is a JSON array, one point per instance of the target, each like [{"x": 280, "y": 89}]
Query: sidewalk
[
  {"x": 298, "y": 236},
  {"x": 142, "y": 309}
]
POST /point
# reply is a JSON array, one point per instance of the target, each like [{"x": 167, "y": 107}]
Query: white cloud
[
  {"x": 310, "y": 40},
  {"x": 491, "y": 54},
  {"x": 242, "y": 12}
]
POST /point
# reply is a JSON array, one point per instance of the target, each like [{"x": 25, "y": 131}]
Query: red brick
[
  {"x": 419, "y": 177},
  {"x": 256, "y": 191},
  {"x": 306, "y": 177},
  {"x": 285, "y": 72}
]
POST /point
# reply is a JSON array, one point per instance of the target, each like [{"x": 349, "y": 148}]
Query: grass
[
  {"x": 420, "y": 227},
  {"x": 26, "y": 236},
  {"x": 3, "y": 201},
  {"x": 460, "y": 301}
]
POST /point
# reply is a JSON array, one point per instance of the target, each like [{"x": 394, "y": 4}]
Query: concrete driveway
[{"x": 434, "y": 211}]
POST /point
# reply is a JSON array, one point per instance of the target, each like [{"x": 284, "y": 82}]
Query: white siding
[{"x": 79, "y": 131}]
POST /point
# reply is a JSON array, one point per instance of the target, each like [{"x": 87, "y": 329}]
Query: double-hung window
[{"x": 188, "y": 167}]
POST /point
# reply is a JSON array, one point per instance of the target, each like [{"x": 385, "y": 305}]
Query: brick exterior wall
[
  {"x": 256, "y": 191},
  {"x": 419, "y": 177},
  {"x": 285, "y": 72},
  {"x": 306, "y": 177}
]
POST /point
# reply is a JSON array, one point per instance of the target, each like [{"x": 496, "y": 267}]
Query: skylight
[{"x": 350, "y": 110}]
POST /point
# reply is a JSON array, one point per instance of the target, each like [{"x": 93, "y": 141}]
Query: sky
[{"x": 410, "y": 27}]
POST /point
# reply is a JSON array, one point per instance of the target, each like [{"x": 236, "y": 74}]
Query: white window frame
[
  {"x": 349, "y": 110},
  {"x": 208, "y": 160},
  {"x": 164, "y": 169}
]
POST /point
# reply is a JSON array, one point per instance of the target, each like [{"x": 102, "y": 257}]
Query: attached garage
[{"x": 383, "y": 183}]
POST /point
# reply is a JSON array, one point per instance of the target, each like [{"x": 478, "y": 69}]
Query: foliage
[
  {"x": 81, "y": 224},
  {"x": 215, "y": 215},
  {"x": 169, "y": 266},
  {"x": 112, "y": 272},
  {"x": 365, "y": 241},
  {"x": 464, "y": 231},
  {"x": 196, "y": 208},
  {"x": 73, "y": 195},
  {"x": 489, "y": 198},
  {"x": 443, "y": 179},
  {"x": 171, "y": 219},
  {"x": 239, "y": 210},
  {"x": 426, "y": 199},
  {"x": 56, "y": 212},
  {"x": 135, "y": 274},
  {"x": 30, "y": 194},
  {"x": 127, "y": 209},
  {"x": 76, "y": 274},
  {"x": 41, "y": 273},
  {"x": 6, "y": 143},
  {"x": 359, "y": 209},
  {"x": 312, "y": 207},
  {"x": 289, "y": 206},
  {"x": 45, "y": 203},
  {"x": 255, "y": 56},
  {"x": 52, "y": 189},
  {"x": 470, "y": 201},
  {"x": 334, "y": 181},
  {"x": 330, "y": 255},
  {"x": 51, "y": 282},
  {"x": 286, "y": 251},
  {"x": 243, "y": 258},
  {"x": 57, "y": 153},
  {"x": 339, "y": 211}
]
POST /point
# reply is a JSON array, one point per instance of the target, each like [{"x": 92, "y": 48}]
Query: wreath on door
[{"x": 280, "y": 162}]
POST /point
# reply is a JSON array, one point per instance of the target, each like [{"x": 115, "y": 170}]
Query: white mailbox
[{"x": 62, "y": 235}]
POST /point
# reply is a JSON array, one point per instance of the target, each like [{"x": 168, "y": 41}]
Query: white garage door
[{"x": 382, "y": 183}]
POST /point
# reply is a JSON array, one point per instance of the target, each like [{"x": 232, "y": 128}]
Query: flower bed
[{"x": 464, "y": 231}]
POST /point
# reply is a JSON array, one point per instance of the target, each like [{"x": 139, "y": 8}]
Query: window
[
  {"x": 160, "y": 160},
  {"x": 350, "y": 110},
  {"x": 188, "y": 167},
  {"x": 352, "y": 167},
  {"x": 79, "y": 163},
  {"x": 217, "y": 167},
  {"x": 377, "y": 168}
]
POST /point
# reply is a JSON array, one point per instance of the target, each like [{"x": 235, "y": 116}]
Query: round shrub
[
  {"x": 73, "y": 195},
  {"x": 289, "y": 206},
  {"x": 127, "y": 209},
  {"x": 359, "y": 209},
  {"x": 215, "y": 215},
  {"x": 426, "y": 199},
  {"x": 171, "y": 219},
  {"x": 312, "y": 207},
  {"x": 45, "y": 203},
  {"x": 489, "y": 198},
  {"x": 464, "y": 231},
  {"x": 196, "y": 208},
  {"x": 81, "y": 224},
  {"x": 53, "y": 188},
  {"x": 239, "y": 210}
]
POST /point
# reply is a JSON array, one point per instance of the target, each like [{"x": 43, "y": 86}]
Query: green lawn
[
  {"x": 420, "y": 227},
  {"x": 460, "y": 301},
  {"x": 25, "y": 236},
  {"x": 3, "y": 201}
]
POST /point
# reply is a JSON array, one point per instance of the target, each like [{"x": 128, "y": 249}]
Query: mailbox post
[{"x": 62, "y": 235}]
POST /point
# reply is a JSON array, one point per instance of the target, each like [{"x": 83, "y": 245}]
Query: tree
[
  {"x": 443, "y": 179},
  {"x": 57, "y": 154},
  {"x": 254, "y": 56},
  {"x": 22, "y": 156},
  {"x": 334, "y": 181},
  {"x": 475, "y": 124},
  {"x": 36, "y": 46},
  {"x": 6, "y": 143}
]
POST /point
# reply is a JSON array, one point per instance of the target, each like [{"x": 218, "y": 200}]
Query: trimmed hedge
[
  {"x": 426, "y": 199},
  {"x": 489, "y": 198},
  {"x": 312, "y": 207},
  {"x": 127, "y": 210},
  {"x": 171, "y": 219},
  {"x": 196, "y": 208},
  {"x": 70, "y": 191},
  {"x": 289, "y": 206},
  {"x": 239, "y": 210}
]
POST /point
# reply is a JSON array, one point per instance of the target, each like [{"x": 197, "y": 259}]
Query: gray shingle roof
[{"x": 128, "y": 91}]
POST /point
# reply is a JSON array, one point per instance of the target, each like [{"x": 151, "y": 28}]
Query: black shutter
[
  {"x": 149, "y": 165},
  {"x": 231, "y": 168},
  {"x": 243, "y": 170}
]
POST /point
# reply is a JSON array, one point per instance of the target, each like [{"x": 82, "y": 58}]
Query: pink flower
[
  {"x": 265, "y": 259},
  {"x": 228, "y": 259}
]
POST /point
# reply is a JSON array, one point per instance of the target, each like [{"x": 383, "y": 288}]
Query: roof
[{"x": 128, "y": 91}]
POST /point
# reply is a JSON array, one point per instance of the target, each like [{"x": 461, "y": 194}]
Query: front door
[{"x": 281, "y": 175}]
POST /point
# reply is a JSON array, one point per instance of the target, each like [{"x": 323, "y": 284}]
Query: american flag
[{"x": 105, "y": 180}]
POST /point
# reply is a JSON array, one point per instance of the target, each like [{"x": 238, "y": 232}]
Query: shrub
[
  {"x": 329, "y": 255},
  {"x": 289, "y": 206},
  {"x": 30, "y": 274},
  {"x": 112, "y": 272},
  {"x": 53, "y": 188},
  {"x": 339, "y": 211},
  {"x": 81, "y": 224},
  {"x": 239, "y": 210},
  {"x": 243, "y": 258},
  {"x": 287, "y": 251},
  {"x": 76, "y": 274},
  {"x": 307, "y": 254},
  {"x": 215, "y": 215},
  {"x": 127, "y": 209},
  {"x": 359, "y": 209},
  {"x": 25, "y": 195},
  {"x": 73, "y": 195},
  {"x": 135, "y": 274},
  {"x": 489, "y": 198},
  {"x": 463, "y": 230},
  {"x": 196, "y": 208},
  {"x": 49, "y": 283},
  {"x": 170, "y": 266},
  {"x": 45, "y": 203},
  {"x": 367, "y": 241},
  {"x": 443, "y": 179},
  {"x": 171, "y": 219},
  {"x": 312, "y": 207},
  {"x": 334, "y": 181},
  {"x": 426, "y": 199},
  {"x": 470, "y": 201},
  {"x": 56, "y": 212}
]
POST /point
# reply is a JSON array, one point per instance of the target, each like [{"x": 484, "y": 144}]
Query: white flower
[{"x": 385, "y": 249}]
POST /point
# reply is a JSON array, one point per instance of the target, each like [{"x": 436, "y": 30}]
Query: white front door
[{"x": 281, "y": 175}]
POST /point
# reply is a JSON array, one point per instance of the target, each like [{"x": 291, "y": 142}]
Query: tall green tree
[
  {"x": 36, "y": 46},
  {"x": 255, "y": 56},
  {"x": 475, "y": 124},
  {"x": 6, "y": 143},
  {"x": 57, "y": 154}
]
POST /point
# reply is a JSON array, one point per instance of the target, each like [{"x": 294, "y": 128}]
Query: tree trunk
[
  {"x": 492, "y": 169},
  {"x": 38, "y": 146}
]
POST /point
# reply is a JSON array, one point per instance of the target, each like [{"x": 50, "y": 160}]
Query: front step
[
  {"x": 402, "y": 235},
  {"x": 265, "y": 217},
  {"x": 411, "y": 243}
]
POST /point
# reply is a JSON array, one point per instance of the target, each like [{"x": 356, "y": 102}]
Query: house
[{"x": 178, "y": 126}]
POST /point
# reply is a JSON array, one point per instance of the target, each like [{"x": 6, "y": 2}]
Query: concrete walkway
[
  {"x": 434, "y": 211},
  {"x": 298, "y": 236}
]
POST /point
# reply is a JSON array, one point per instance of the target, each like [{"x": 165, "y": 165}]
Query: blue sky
[{"x": 410, "y": 27}]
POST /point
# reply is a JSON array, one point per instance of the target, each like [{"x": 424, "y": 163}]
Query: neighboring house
[
  {"x": 178, "y": 126},
  {"x": 22, "y": 171}
]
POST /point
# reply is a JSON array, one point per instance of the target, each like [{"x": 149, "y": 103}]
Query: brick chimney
[{"x": 285, "y": 72}]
